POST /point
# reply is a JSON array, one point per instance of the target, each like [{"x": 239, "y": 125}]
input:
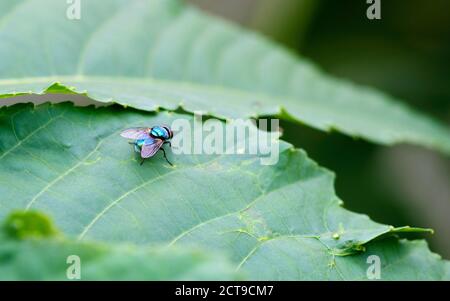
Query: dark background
[{"x": 407, "y": 54}]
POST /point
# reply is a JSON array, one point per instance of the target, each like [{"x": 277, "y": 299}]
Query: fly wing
[
  {"x": 135, "y": 133},
  {"x": 151, "y": 147}
]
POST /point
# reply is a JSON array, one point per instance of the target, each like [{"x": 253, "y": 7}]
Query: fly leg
[
  {"x": 164, "y": 152},
  {"x": 142, "y": 162}
]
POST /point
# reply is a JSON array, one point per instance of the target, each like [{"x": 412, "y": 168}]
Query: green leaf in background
[
  {"x": 46, "y": 258},
  {"x": 161, "y": 53},
  {"x": 280, "y": 221}
]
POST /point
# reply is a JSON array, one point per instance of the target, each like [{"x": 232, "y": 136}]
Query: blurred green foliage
[{"x": 406, "y": 54}]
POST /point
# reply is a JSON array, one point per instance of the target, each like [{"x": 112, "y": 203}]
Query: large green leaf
[
  {"x": 280, "y": 221},
  {"x": 160, "y": 53},
  {"x": 49, "y": 258}
]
